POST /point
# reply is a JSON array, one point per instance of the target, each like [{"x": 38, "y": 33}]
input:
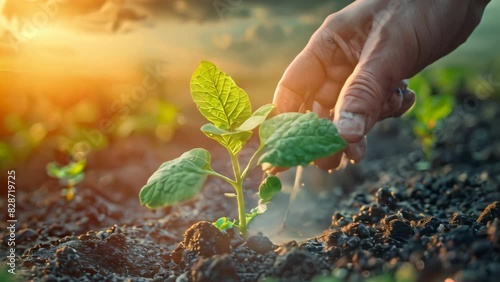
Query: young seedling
[
  {"x": 286, "y": 140},
  {"x": 427, "y": 116},
  {"x": 69, "y": 176}
]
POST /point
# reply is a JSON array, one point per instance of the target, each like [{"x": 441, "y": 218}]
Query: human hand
[{"x": 353, "y": 63}]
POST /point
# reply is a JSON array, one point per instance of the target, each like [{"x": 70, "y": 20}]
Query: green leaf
[
  {"x": 75, "y": 168},
  {"x": 223, "y": 223},
  {"x": 441, "y": 105},
  {"x": 218, "y": 97},
  {"x": 54, "y": 170},
  {"x": 293, "y": 139},
  {"x": 232, "y": 140},
  {"x": 433, "y": 109},
  {"x": 72, "y": 172},
  {"x": 257, "y": 118},
  {"x": 422, "y": 88},
  {"x": 447, "y": 80},
  {"x": 268, "y": 188},
  {"x": 177, "y": 180}
]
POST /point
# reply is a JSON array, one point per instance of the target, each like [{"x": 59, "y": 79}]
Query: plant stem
[
  {"x": 236, "y": 167},
  {"x": 241, "y": 210},
  {"x": 70, "y": 193},
  {"x": 225, "y": 178},
  {"x": 238, "y": 186}
]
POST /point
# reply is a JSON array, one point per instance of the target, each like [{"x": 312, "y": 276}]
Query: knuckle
[{"x": 333, "y": 19}]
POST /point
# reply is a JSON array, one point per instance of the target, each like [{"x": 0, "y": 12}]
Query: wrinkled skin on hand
[{"x": 357, "y": 58}]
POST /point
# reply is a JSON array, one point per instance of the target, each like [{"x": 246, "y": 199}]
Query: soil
[{"x": 381, "y": 217}]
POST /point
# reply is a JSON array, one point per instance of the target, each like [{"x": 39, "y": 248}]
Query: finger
[
  {"x": 408, "y": 101},
  {"x": 330, "y": 162},
  {"x": 360, "y": 104},
  {"x": 392, "y": 105},
  {"x": 327, "y": 95},
  {"x": 302, "y": 78},
  {"x": 366, "y": 91},
  {"x": 287, "y": 100},
  {"x": 321, "y": 69},
  {"x": 275, "y": 170},
  {"x": 395, "y": 100},
  {"x": 339, "y": 53},
  {"x": 401, "y": 100},
  {"x": 356, "y": 151},
  {"x": 319, "y": 109}
]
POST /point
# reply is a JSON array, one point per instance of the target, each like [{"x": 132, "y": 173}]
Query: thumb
[{"x": 362, "y": 98}]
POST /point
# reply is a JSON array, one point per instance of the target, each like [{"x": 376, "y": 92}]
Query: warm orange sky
[
  {"x": 112, "y": 37},
  {"x": 112, "y": 40},
  {"x": 252, "y": 40}
]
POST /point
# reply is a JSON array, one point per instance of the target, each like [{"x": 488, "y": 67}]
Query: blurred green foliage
[
  {"x": 435, "y": 101},
  {"x": 33, "y": 122},
  {"x": 71, "y": 174},
  {"x": 436, "y": 91}
]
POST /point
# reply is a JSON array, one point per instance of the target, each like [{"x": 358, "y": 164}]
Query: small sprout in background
[
  {"x": 69, "y": 175},
  {"x": 286, "y": 140},
  {"x": 435, "y": 102}
]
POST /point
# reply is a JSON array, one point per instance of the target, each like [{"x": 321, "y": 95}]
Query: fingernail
[
  {"x": 351, "y": 124},
  {"x": 403, "y": 86}
]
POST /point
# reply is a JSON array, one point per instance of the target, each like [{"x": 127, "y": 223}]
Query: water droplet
[
  {"x": 302, "y": 184},
  {"x": 330, "y": 171}
]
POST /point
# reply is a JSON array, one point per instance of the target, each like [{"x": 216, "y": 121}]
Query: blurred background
[{"x": 79, "y": 77}]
